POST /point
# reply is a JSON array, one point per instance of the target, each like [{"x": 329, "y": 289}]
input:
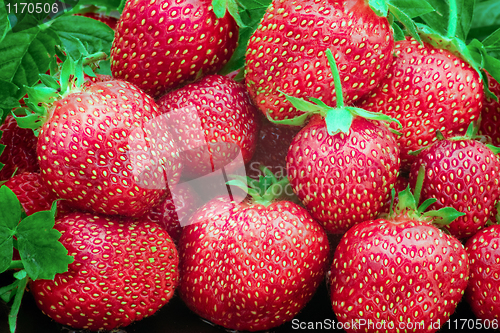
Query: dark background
[{"x": 175, "y": 317}]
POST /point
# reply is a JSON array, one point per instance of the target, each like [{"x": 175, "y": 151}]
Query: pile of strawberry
[{"x": 215, "y": 149}]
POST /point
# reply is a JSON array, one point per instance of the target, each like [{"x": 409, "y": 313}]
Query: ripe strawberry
[
  {"x": 213, "y": 121},
  {"x": 251, "y": 266},
  {"x": 490, "y": 115},
  {"x": 427, "y": 89},
  {"x": 482, "y": 292},
  {"x": 287, "y": 53},
  {"x": 346, "y": 178},
  {"x": 19, "y": 154},
  {"x": 123, "y": 271},
  {"x": 272, "y": 147},
  {"x": 162, "y": 44},
  {"x": 33, "y": 194},
  {"x": 174, "y": 212},
  {"x": 398, "y": 271},
  {"x": 104, "y": 149},
  {"x": 463, "y": 174}
]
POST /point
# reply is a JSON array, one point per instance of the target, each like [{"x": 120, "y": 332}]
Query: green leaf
[
  {"x": 10, "y": 208},
  {"x": 303, "y": 105},
  {"x": 26, "y": 54},
  {"x": 426, "y": 205},
  {"x": 444, "y": 215},
  {"x": 42, "y": 254},
  {"x": 492, "y": 42},
  {"x": 121, "y": 6},
  {"x": 74, "y": 30},
  {"x": 398, "y": 32},
  {"x": 406, "y": 21},
  {"x": 486, "y": 19},
  {"x": 338, "y": 120},
  {"x": 8, "y": 97},
  {"x": 297, "y": 121},
  {"x": 49, "y": 81},
  {"x": 406, "y": 201},
  {"x": 465, "y": 10},
  {"x": 251, "y": 13},
  {"x": 379, "y": 7},
  {"x": 413, "y": 8},
  {"x": 14, "y": 310},
  {"x": 219, "y": 8},
  {"x": 373, "y": 115},
  {"x": 438, "y": 19},
  {"x": 4, "y": 21},
  {"x": 10, "y": 214},
  {"x": 494, "y": 149}
]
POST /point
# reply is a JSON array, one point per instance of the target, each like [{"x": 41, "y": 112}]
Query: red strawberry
[
  {"x": 19, "y": 154},
  {"x": 123, "y": 271},
  {"x": 287, "y": 53},
  {"x": 463, "y": 174},
  {"x": 397, "y": 272},
  {"x": 427, "y": 89},
  {"x": 346, "y": 178},
  {"x": 272, "y": 147},
  {"x": 162, "y": 44},
  {"x": 483, "y": 292},
  {"x": 251, "y": 266},
  {"x": 103, "y": 150},
  {"x": 174, "y": 212},
  {"x": 33, "y": 194},
  {"x": 213, "y": 121},
  {"x": 108, "y": 20},
  {"x": 490, "y": 115}
]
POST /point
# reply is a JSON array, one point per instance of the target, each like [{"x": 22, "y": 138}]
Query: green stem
[
  {"x": 17, "y": 304},
  {"x": 94, "y": 58},
  {"x": 452, "y": 19},
  {"x": 336, "y": 78}
]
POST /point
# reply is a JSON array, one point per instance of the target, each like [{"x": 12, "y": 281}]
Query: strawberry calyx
[
  {"x": 407, "y": 206},
  {"x": 470, "y": 134},
  {"x": 41, "y": 254},
  {"x": 232, "y": 6},
  {"x": 264, "y": 191},
  {"x": 337, "y": 119},
  {"x": 41, "y": 98}
]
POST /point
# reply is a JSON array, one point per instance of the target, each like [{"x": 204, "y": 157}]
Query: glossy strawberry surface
[
  {"x": 32, "y": 193},
  {"x": 343, "y": 179},
  {"x": 213, "y": 121},
  {"x": 483, "y": 291},
  {"x": 103, "y": 150},
  {"x": 123, "y": 271},
  {"x": 19, "y": 154},
  {"x": 397, "y": 272},
  {"x": 248, "y": 267},
  {"x": 287, "y": 53},
  {"x": 162, "y": 44},
  {"x": 462, "y": 174},
  {"x": 427, "y": 89},
  {"x": 490, "y": 114}
]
